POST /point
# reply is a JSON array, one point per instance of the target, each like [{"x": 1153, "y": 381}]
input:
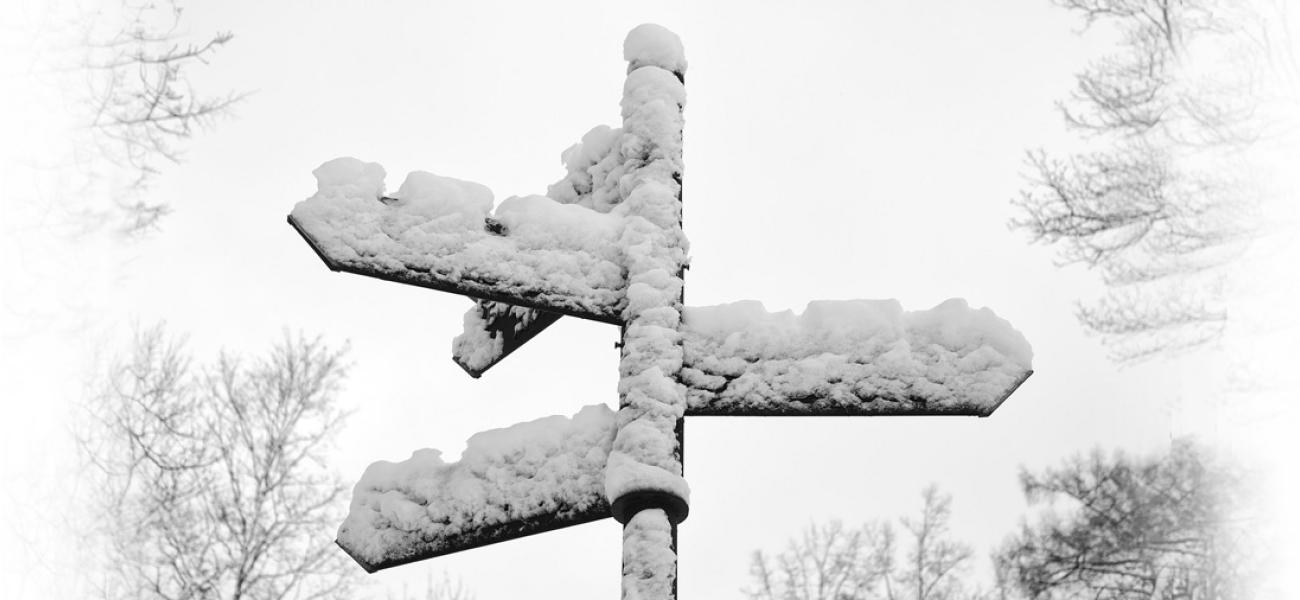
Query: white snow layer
[
  {"x": 848, "y": 355},
  {"x": 548, "y": 467},
  {"x": 434, "y": 229},
  {"x": 476, "y": 347},
  {"x": 650, "y": 44},
  {"x": 649, "y": 565},
  {"x": 482, "y": 343}
]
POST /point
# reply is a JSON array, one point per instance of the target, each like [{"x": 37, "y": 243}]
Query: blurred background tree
[
  {"x": 1168, "y": 192},
  {"x": 120, "y": 74},
  {"x": 1117, "y": 527},
  {"x": 1179, "y": 525},
  {"x": 211, "y": 480},
  {"x": 832, "y": 562},
  {"x": 139, "y": 102}
]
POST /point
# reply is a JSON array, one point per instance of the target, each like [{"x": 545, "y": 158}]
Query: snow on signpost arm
[
  {"x": 436, "y": 232},
  {"x": 509, "y": 483},
  {"x": 850, "y": 357},
  {"x": 493, "y": 330}
]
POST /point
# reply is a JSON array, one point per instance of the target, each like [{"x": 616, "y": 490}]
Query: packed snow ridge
[
  {"x": 551, "y": 467},
  {"x": 438, "y": 228},
  {"x": 850, "y": 356}
]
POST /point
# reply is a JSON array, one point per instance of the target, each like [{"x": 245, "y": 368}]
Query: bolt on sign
[{"x": 605, "y": 243}]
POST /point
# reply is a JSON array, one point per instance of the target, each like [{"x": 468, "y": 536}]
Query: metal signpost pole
[{"x": 645, "y": 483}]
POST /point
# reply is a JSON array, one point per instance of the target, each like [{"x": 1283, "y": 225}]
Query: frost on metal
[
  {"x": 520, "y": 480},
  {"x": 441, "y": 233},
  {"x": 850, "y": 357}
]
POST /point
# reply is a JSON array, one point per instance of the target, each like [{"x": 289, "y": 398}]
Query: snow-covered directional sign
[{"x": 605, "y": 243}]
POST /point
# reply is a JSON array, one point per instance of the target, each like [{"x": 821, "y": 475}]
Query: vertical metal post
[
  {"x": 681, "y": 458},
  {"x": 649, "y": 495},
  {"x": 649, "y": 557},
  {"x": 649, "y": 566}
]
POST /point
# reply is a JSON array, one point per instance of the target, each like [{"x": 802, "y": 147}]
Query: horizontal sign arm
[
  {"x": 849, "y": 357},
  {"x": 488, "y": 535},
  {"x": 526, "y": 292},
  {"x": 509, "y": 483}
]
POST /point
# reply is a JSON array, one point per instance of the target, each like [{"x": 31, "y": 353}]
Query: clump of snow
[
  {"x": 544, "y": 223},
  {"x": 851, "y": 356},
  {"x": 431, "y": 196},
  {"x": 551, "y": 467},
  {"x": 953, "y": 324},
  {"x": 476, "y": 347},
  {"x": 650, "y": 44},
  {"x": 594, "y": 168},
  {"x": 488, "y": 327},
  {"x": 348, "y": 177},
  {"x": 610, "y": 164},
  {"x": 652, "y": 127},
  {"x": 649, "y": 564},
  {"x": 646, "y": 86}
]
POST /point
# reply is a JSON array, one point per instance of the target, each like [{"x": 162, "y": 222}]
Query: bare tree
[
  {"x": 211, "y": 482},
  {"x": 828, "y": 562},
  {"x": 1166, "y": 198},
  {"x": 143, "y": 104},
  {"x": 935, "y": 562},
  {"x": 1162, "y": 528},
  {"x": 124, "y": 69},
  {"x": 831, "y": 562}
]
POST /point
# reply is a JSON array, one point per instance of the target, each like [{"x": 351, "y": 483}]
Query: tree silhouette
[
  {"x": 1166, "y": 196},
  {"x": 210, "y": 481},
  {"x": 1161, "y": 528},
  {"x": 832, "y": 562}
]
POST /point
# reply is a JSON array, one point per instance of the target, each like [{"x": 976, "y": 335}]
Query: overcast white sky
[{"x": 854, "y": 149}]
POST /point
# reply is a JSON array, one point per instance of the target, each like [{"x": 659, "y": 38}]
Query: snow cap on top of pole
[{"x": 653, "y": 45}]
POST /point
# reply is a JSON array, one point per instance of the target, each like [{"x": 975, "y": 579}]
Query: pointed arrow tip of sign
[
  {"x": 369, "y": 568},
  {"x": 993, "y": 407},
  {"x": 475, "y": 373},
  {"x": 332, "y": 264}
]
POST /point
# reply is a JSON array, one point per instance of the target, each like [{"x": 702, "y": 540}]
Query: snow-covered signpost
[{"x": 606, "y": 243}]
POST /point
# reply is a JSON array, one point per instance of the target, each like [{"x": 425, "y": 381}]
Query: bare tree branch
[
  {"x": 1160, "y": 528},
  {"x": 126, "y": 74},
  {"x": 1166, "y": 200},
  {"x": 213, "y": 480},
  {"x": 831, "y": 562}
]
